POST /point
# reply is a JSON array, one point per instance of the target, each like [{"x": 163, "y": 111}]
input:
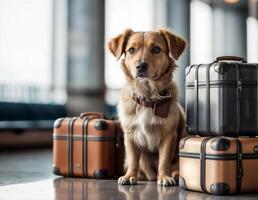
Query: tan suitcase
[
  {"x": 88, "y": 146},
  {"x": 220, "y": 165}
]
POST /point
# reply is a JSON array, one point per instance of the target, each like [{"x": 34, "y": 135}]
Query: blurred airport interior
[{"x": 54, "y": 61}]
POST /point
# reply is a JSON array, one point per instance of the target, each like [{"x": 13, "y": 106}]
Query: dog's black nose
[{"x": 142, "y": 67}]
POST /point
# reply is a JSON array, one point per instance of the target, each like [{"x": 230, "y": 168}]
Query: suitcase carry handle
[
  {"x": 95, "y": 114},
  {"x": 230, "y": 58}
]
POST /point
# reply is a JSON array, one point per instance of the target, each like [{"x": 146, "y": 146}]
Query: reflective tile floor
[{"x": 28, "y": 175}]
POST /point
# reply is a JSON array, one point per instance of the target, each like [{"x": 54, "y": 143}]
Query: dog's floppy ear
[
  {"x": 117, "y": 44},
  {"x": 176, "y": 44}
]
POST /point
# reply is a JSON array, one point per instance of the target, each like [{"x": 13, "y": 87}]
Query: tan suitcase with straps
[
  {"x": 88, "y": 146},
  {"x": 220, "y": 165}
]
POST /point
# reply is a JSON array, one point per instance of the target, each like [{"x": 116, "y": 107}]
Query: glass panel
[
  {"x": 252, "y": 31},
  {"x": 201, "y": 32},
  {"x": 26, "y": 50},
  {"x": 134, "y": 14}
]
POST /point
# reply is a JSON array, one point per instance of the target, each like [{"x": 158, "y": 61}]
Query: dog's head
[{"x": 148, "y": 55}]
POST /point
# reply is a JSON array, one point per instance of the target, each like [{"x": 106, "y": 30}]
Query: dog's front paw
[
  {"x": 166, "y": 181},
  {"x": 127, "y": 180}
]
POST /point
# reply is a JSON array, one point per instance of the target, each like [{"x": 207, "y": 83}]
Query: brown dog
[{"x": 152, "y": 119}]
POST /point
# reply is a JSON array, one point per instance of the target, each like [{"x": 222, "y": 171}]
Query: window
[
  {"x": 201, "y": 32},
  {"x": 129, "y": 15},
  {"x": 252, "y": 40},
  {"x": 27, "y": 50}
]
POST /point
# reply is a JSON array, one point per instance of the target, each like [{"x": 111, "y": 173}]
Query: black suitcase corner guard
[
  {"x": 182, "y": 142},
  {"x": 56, "y": 171},
  {"x": 182, "y": 183},
  {"x": 220, "y": 144},
  {"x": 58, "y": 122},
  {"x": 219, "y": 189},
  {"x": 101, "y": 174},
  {"x": 101, "y": 125}
]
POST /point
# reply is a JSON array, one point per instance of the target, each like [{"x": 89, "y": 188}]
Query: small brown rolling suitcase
[
  {"x": 88, "y": 146},
  {"x": 219, "y": 165}
]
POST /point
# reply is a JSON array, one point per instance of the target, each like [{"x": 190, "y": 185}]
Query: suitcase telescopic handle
[
  {"x": 92, "y": 114},
  {"x": 236, "y": 58}
]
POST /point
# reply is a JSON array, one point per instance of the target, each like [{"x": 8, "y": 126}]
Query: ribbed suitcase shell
[
  {"x": 88, "y": 146},
  {"x": 221, "y": 98},
  {"x": 219, "y": 165}
]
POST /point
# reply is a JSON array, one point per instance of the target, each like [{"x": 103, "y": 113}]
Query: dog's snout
[{"x": 142, "y": 67}]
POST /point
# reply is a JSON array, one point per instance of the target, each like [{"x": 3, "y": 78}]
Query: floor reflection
[
  {"x": 37, "y": 182},
  {"x": 148, "y": 191},
  {"x": 71, "y": 188},
  {"x": 190, "y": 195},
  {"x": 82, "y": 189}
]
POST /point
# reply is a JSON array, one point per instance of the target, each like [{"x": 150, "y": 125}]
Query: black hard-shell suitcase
[{"x": 221, "y": 98}]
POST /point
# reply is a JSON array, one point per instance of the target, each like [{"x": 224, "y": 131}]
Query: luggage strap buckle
[
  {"x": 239, "y": 85},
  {"x": 240, "y": 170},
  {"x": 202, "y": 156}
]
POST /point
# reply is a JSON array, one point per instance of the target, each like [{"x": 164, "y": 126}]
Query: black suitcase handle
[{"x": 236, "y": 58}]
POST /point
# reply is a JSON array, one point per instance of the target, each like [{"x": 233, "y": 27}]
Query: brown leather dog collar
[{"x": 160, "y": 106}]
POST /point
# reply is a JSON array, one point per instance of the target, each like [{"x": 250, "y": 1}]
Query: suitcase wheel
[
  {"x": 219, "y": 189},
  {"x": 182, "y": 183},
  {"x": 56, "y": 171},
  {"x": 101, "y": 173}
]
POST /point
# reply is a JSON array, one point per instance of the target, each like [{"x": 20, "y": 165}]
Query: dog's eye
[
  {"x": 132, "y": 50},
  {"x": 155, "y": 50}
]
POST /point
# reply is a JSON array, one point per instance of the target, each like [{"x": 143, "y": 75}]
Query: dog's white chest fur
[{"x": 147, "y": 133}]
